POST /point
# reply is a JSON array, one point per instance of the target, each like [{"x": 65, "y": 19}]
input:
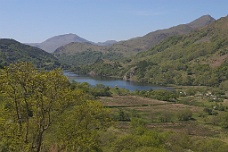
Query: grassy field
[{"x": 165, "y": 115}]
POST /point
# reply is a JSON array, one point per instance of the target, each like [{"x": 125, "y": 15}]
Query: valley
[{"x": 168, "y": 92}]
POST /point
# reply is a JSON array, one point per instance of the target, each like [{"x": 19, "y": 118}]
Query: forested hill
[
  {"x": 84, "y": 53},
  {"x": 199, "y": 58},
  {"x": 12, "y": 51}
]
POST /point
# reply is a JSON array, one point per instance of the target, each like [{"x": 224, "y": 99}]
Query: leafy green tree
[
  {"x": 79, "y": 126},
  {"x": 147, "y": 140},
  {"x": 31, "y": 97},
  {"x": 33, "y": 102},
  {"x": 166, "y": 116},
  {"x": 122, "y": 115}
]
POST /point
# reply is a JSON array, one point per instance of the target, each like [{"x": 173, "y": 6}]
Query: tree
[
  {"x": 184, "y": 115},
  {"x": 79, "y": 127},
  {"x": 33, "y": 102},
  {"x": 32, "y": 99}
]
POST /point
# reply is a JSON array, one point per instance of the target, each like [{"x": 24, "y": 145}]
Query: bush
[{"x": 184, "y": 115}]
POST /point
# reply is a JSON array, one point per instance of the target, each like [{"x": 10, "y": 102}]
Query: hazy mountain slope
[
  {"x": 51, "y": 44},
  {"x": 107, "y": 43},
  {"x": 12, "y": 51},
  {"x": 197, "y": 58}
]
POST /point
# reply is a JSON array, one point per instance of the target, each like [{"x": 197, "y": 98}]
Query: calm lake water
[{"x": 132, "y": 86}]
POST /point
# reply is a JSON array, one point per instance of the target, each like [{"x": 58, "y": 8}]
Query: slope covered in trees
[
  {"x": 199, "y": 58},
  {"x": 12, "y": 51},
  {"x": 76, "y": 54}
]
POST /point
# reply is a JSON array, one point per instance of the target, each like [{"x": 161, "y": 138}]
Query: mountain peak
[
  {"x": 51, "y": 44},
  {"x": 107, "y": 43},
  {"x": 201, "y": 21},
  {"x": 66, "y": 37}
]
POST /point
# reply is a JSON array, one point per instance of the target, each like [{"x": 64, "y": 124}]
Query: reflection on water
[{"x": 132, "y": 86}]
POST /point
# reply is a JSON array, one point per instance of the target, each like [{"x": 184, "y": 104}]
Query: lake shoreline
[{"x": 115, "y": 82}]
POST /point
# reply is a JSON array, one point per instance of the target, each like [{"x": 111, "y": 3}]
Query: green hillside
[
  {"x": 199, "y": 58},
  {"x": 12, "y": 51},
  {"x": 84, "y": 53},
  {"x": 74, "y": 53}
]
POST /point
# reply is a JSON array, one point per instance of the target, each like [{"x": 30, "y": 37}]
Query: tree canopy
[{"x": 33, "y": 102}]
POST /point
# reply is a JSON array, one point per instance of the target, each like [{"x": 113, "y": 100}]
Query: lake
[{"x": 110, "y": 82}]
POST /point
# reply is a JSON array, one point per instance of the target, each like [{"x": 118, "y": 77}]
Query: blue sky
[{"x": 99, "y": 20}]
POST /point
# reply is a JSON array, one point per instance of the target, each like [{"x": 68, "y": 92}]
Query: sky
[{"x": 34, "y": 21}]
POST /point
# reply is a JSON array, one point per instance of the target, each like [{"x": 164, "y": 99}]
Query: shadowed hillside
[{"x": 12, "y": 51}]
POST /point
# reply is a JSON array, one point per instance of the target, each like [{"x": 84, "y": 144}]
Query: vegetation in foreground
[
  {"x": 40, "y": 110},
  {"x": 43, "y": 111}
]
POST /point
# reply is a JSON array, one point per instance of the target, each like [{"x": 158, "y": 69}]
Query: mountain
[
  {"x": 76, "y": 47},
  {"x": 197, "y": 58},
  {"x": 139, "y": 44},
  {"x": 84, "y": 53},
  {"x": 12, "y": 51},
  {"x": 129, "y": 47},
  {"x": 51, "y": 44},
  {"x": 201, "y": 22},
  {"x": 106, "y": 43}
]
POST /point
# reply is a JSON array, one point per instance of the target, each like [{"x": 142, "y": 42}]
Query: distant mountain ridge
[
  {"x": 134, "y": 45},
  {"x": 51, "y": 44},
  {"x": 107, "y": 43}
]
